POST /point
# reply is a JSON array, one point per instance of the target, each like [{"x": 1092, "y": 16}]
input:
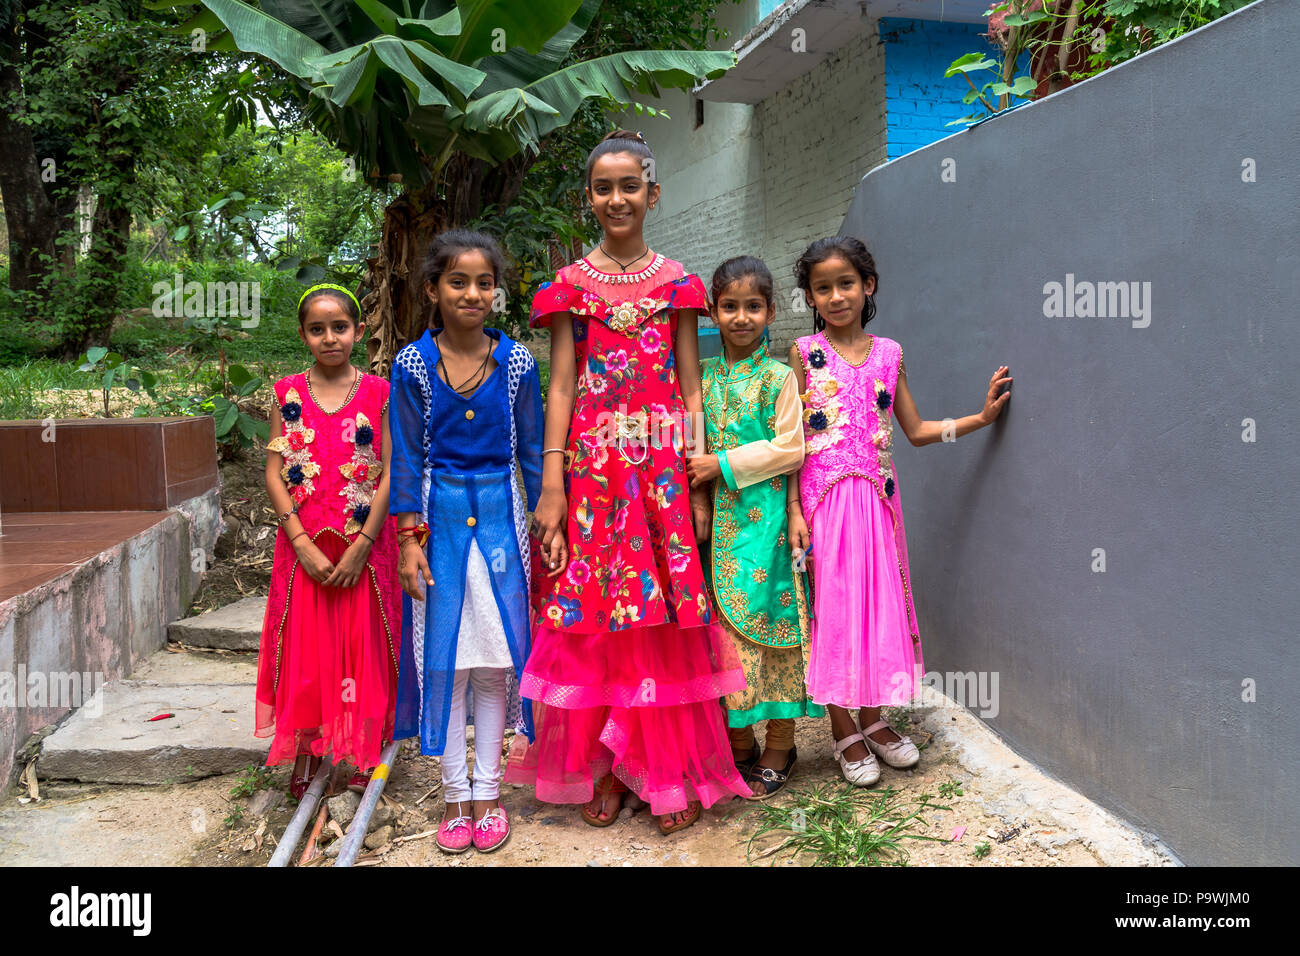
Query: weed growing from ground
[{"x": 838, "y": 825}]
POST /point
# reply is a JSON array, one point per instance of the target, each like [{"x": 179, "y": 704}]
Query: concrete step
[
  {"x": 235, "y": 627},
  {"x": 112, "y": 740}
]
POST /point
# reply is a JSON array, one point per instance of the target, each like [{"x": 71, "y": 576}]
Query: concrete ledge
[{"x": 95, "y": 622}]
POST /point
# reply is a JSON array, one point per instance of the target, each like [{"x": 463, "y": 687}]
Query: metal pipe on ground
[
  {"x": 352, "y": 840},
  {"x": 306, "y": 808}
]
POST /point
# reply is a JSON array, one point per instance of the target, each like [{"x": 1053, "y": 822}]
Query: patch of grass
[
  {"x": 252, "y": 779},
  {"x": 902, "y": 719},
  {"x": 950, "y": 789},
  {"x": 839, "y": 825}
]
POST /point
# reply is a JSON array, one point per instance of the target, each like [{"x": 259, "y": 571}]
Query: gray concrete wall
[
  {"x": 96, "y": 622},
  {"x": 1127, "y": 683}
]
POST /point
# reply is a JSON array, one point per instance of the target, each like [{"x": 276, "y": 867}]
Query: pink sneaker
[
  {"x": 455, "y": 835},
  {"x": 492, "y": 832}
]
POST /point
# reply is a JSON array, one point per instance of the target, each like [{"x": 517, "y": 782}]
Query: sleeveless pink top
[{"x": 848, "y": 419}]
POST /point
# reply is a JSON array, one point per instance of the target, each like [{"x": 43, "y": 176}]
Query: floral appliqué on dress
[
  {"x": 822, "y": 411},
  {"x": 298, "y": 469},
  {"x": 361, "y": 472}
]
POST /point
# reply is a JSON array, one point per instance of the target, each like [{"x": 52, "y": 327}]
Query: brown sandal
[
  {"x": 692, "y": 814},
  {"x": 609, "y": 784}
]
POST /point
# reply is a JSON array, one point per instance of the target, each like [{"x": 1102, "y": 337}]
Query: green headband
[{"x": 337, "y": 288}]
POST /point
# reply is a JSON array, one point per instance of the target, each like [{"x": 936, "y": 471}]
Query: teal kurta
[{"x": 753, "y": 424}]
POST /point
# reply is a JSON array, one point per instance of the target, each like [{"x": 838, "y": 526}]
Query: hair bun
[{"x": 625, "y": 134}]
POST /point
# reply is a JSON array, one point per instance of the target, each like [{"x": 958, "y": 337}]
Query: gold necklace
[
  {"x": 356, "y": 380},
  {"x": 870, "y": 346}
]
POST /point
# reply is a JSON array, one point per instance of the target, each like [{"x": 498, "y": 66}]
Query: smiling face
[
  {"x": 620, "y": 195},
  {"x": 837, "y": 291},
  {"x": 329, "y": 331},
  {"x": 463, "y": 295},
  {"x": 742, "y": 313}
]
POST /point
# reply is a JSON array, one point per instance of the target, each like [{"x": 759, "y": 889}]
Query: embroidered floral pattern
[
  {"x": 633, "y": 562},
  {"x": 361, "y": 473},
  {"x": 298, "y": 469},
  {"x": 822, "y": 413}
]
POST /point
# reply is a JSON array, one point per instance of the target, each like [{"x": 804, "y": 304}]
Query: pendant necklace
[
  {"x": 621, "y": 266},
  {"x": 474, "y": 381}
]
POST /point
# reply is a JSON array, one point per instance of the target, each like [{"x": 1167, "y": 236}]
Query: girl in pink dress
[
  {"x": 865, "y": 651},
  {"x": 327, "y": 670},
  {"x": 627, "y": 657}
]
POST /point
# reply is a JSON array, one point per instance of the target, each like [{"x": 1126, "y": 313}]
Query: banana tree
[{"x": 452, "y": 99}]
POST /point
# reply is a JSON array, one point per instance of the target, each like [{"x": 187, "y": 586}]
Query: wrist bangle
[
  {"x": 297, "y": 536},
  {"x": 281, "y": 519},
  {"x": 562, "y": 451},
  {"x": 366, "y": 536}
]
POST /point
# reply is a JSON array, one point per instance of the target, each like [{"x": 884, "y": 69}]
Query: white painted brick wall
[{"x": 781, "y": 176}]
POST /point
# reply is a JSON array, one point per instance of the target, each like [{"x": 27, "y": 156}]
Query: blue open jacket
[{"x": 454, "y": 464}]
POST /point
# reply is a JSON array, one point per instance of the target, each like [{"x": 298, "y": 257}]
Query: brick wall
[
  {"x": 921, "y": 100},
  {"x": 820, "y": 136}
]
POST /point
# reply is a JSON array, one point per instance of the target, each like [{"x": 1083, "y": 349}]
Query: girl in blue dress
[{"x": 466, "y": 408}]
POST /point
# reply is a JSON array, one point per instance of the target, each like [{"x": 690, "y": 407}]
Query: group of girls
[{"x": 711, "y": 546}]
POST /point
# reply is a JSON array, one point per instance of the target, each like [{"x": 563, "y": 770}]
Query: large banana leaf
[{"x": 400, "y": 84}]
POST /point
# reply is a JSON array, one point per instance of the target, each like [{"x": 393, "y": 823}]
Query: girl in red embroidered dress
[
  {"x": 327, "y": 670},
  {"x": 626, "y": 658}
]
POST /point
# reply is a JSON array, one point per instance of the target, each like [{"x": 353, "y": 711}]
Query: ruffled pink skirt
[
  {"x": 335, "y": 688},
  {"x": 862, "y": 653},
  {"x": 643, "y": 703}
]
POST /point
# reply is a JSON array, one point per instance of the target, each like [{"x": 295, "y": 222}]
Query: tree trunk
[
  {"x": 394, "y": 309},
  {"x": 31, "y": 218}
]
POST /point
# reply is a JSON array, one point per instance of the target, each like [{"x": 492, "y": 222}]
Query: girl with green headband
[{"x": 327, "y": 673}]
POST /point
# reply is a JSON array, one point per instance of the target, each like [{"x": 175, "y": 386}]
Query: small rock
[
  {"x": 625, "y": 813},
  {"x": 1052, "y": 851},
  {"x": 264, "y": 801},
  {"x": 332, "y": 850},
  {"x": 382, "y": 817},
  {"x": 593, "y": 863},
  {"x": 344, "y": 807},
  {"x": 380, "y": 838}
]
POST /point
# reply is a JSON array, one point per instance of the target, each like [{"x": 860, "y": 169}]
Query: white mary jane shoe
[
  {"x": 899, "y": 754},
  {"x": 860, "y": 773}
]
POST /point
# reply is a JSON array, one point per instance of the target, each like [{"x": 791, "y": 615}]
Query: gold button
[
  {"x": 469, "y": 414},
  {"x": 471, "y": 521}
]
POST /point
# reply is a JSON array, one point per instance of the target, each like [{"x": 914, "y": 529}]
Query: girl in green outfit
[{"x": 755, "y": 442}]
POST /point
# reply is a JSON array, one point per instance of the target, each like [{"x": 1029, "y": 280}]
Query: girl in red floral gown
[
  {"x": 627, "y": 656},
  {"x": 327, "y": 672}
]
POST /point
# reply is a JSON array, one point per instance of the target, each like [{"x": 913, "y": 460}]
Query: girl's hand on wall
[
  {"x": 994, "y": 402},
  {"x": 313, "y": 560},
  {"x": 702, "y": 469},
  {"x": 412, "y": 566},
  {"x": 348, "y": 571}
]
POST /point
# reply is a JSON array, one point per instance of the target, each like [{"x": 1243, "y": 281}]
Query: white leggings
[{"x": 489, "y": 729}]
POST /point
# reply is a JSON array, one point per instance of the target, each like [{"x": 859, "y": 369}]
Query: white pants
[{"x": 489, "y": 729}]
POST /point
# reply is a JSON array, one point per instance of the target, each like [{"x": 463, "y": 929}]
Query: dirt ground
[{"x": 201, "y": 824}]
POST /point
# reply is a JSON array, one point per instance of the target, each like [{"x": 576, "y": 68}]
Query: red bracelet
[{"x": 420, "y": 532}]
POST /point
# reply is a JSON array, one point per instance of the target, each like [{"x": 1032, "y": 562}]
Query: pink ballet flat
[
  {"x": 454, "y": 835},
  {"x": 492, "y": 832}
]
